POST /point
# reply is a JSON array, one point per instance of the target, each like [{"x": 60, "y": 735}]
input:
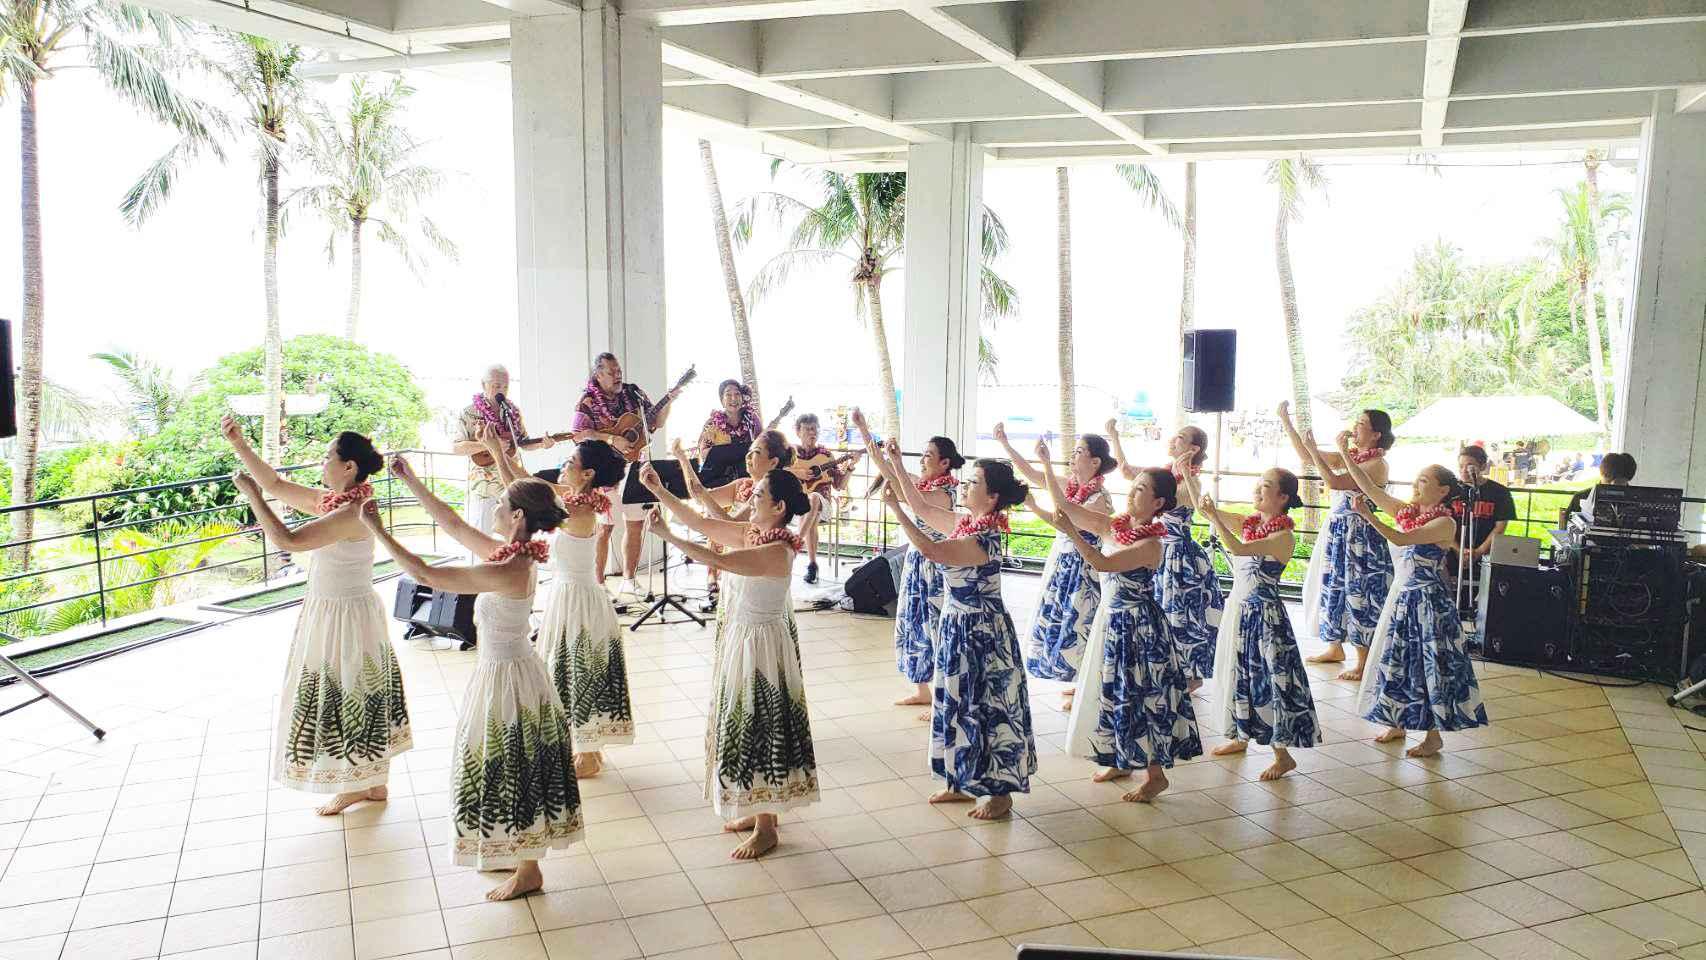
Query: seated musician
[
  {"x": 604, "y": 401},
  {"x": 1617, "y": 469},
  {"x": 495, "y": 412},
  {"x": 734, "y": 422},
  {"x": 832, "y": 477}
]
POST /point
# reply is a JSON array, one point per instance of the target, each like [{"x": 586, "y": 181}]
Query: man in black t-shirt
[{"x": 1493, "y": 509}]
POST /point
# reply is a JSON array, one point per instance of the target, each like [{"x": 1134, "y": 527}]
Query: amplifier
[
  {"x": 434, "y": 613},
  {"x": 1649, "y": 509},
  {"x": 1524, "y": 615},
  {"x": 1628, "y": 582},
  {"x": 1651, "y": 652}
]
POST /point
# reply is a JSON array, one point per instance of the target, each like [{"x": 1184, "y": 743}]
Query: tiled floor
[{"x": 1573, "y": 827}]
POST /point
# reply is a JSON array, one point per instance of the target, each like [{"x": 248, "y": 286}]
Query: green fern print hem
[
  {"x": 331, "y": 724},
  {"x": 515, "y": 790},
  {"x": 764, "y": 743},
  {"x": 592, "y": 681}
]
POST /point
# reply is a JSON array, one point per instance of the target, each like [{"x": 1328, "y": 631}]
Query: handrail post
[{"x": 100, "y": 574}]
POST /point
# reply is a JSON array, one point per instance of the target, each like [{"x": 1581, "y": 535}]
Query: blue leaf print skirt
[
  {"x": 1420, "y": 676},
  {"x": 1261, "y": 688},
  {"x": 1065, "y": 613},
  {"x": 1188, "y": 590},
  {"x": 917, "y": 615},
  {"x": 1350, "y": 573}
]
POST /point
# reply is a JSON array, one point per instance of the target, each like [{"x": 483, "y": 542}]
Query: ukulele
[
  {"x": 787, "y": 408},
  {"x": 483, "y": 458},
  {"x": 818, "y": 472},
  {"x": 632, "y": 426}
]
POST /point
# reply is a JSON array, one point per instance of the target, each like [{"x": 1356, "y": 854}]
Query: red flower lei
[
  {"x": 1412, "y": 517},
  {"x": 1127, "y": 532},
  {"x": 743, "y": 489},
  {"x": 601, "y": 406},
  {"x": 1255, "y": 528},
  {"x": 1080, "y": 492},
  {"x": 758, "y": 538},
  {"x": 968, "y": 527},
  {"x": 748, "y": 427},
  {"x": 1174, "y": 470},
  {"x": 484, "y": 408},
  {"x": 937, "y": 483},
  {"x": 537, "y": 550},
  {"x": 330, "y": 501},
  {"x": 1364, "y": 456},
  {"x": 591, "y": 499}
]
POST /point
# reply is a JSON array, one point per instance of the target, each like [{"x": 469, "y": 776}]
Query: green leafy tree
[
  {"x": 1575, "y": 251},
  {"x": 150, "y": 395},
  {"x": 368, "y": 172},
  {"x": 1292, "y": 179}
]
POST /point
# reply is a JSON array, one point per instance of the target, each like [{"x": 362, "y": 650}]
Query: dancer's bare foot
[
  {"x": 949, "y": 796},
  {"x": 344, "y": 801},
  {"x": 1354, "y": 673},
  {"x": 1390, "y": 734},
  {"x": 1151, "y": 787},
  {"x": 1110, "y": 773},
  {"x": 1429, "y": 746},
  {"x": 1193, "y": 685},
  {"x": 994, "y": 809},
  {"x": 1283, "y": 764},
  {"x": 763, "y": 840},
  {"x": 588, "y": 764},
  {"x": 1229, "y": 748},
  {"x": 527, "y": 879},
  {"x": 1066, "y": 701},
  {"x": 916, "y": 700},
  {"x": 740, "y": 826},
  {"x": 1335, "y": 653}
]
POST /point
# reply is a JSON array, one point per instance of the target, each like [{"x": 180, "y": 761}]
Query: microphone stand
[{"x": 1466, "y": 537}]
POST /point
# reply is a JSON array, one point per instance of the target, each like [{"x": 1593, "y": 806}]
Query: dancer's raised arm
[
  {"x": 340, "y": 524},
  {"x": 769, "y": 560},
  {"x": 1274, "y": 546},
  {"x": 958, "y": 552},
  {"x": 477, "y": 541},
  {"x": 454, "y": 578},
  {"x": 1441, "y": 530},
  {"x": 302, "y": 498},
  {"x": 725, "y": 532},
  {"x": 1083, "y": 517},
  {"x": 1026, "y": 469},
  {"x": 1360, "y": 480},
  {"x": 1113, "y": 433},
  {"x": 937, "y": 517}
]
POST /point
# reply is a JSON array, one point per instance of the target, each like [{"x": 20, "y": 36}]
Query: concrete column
[
  {"x": 1663, "y": 393},
  {"x": 588, "y": 102},
  {"x": 944, "y": 211}
]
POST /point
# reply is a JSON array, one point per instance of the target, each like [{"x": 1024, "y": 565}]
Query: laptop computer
[{"x": 1514, "y": 551}]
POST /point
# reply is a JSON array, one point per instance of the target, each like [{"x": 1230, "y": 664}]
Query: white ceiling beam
[
  {"x": 1551, "y": 136},
  {"x": 996, "y": 47},
  {"x": 1179, "y": 130},
  {"x": 1063, "y": 30},
  {"x": 1645, "y": 57},
  {"x": 1533, "y": 16},
  {"x": 671, "y": 13},
  {"x": 1378, "y": 73},
  {"x": 418, "y": 16},
  {"x": 1066, "y": 131},
  {"x": 1445, "y": 23},
  {"x": 862, "y": 43},
  {"x": 1691, "y": 99},
  {"x": 770, "y": 144},
  {"x": 1561, "y": 110},
  {"x": 320, "y": 31},
  {"x": 966, "y": 95}
]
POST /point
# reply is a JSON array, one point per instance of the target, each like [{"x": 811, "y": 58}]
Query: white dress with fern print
[
  {"x": 513, "y": 793},
  {"x": 581, "y": 642},
  {"x": 343, "y": 715}
]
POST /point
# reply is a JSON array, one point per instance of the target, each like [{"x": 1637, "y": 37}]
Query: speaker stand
[
  {"x": 43, "y": 693},
  {"x": 1219, "y": 467}
]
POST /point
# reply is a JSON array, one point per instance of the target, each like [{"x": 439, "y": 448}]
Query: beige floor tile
[
  {"x": 1648, "y": 921},
  {"x": 943, "y": 926},
  {"x": 123, "y": 941},
  {"x": 805, "y": 870},
  {"x": 1593, "y": 937},
  {"x": 1273, "y": 906},
  {"x": 634, "y": 863},
  {"x": 1154, "y": 886},
  {"x": 1093, "y": 897},
  {"x": 1342, "y": 850},
  {"x": 524, "y": 947},
  {"x": 792, "y": 945},
  {"x": 1622, "y": 840},
  {"x": 1524, "y": 945},
  {"x": 1639, "y": 879},
  {"x": 301, "y": 914},
  {"x": 907, "y": 891},
  {"x": 1398, "y": 929},
  {"x": 1109, "y": 855},
  {"x": 676, "y": 930},
  {"x": 1399, "y": 840},
  {"x": 1262, "y": 944},
  {"x": 122, "y": 906},
  {"x": 336, "y": 943},
  {"x": 1514, "y": 858},
  {"x": 1568, "y": 848},
  {"x": 1171, "y": 845},
  {"x": 1337, "y": 893},
  {"x": 1458, "y": 870},
  {"x": 1524, "y": 902},
  {"x": 1210, "y": 918},
  {"x": 1329, "y": 939},
  {"x": 757, "y": 916},
  {"x": 871, "y": 938},
  {"x": 979, "y": 878},
  {"x": 278, "y": 883},
  {"x": 876, "y": 859},
  {"x": 839, "y": 902},
  {"x": 212, "y": 928},
  {"x": 609, "y": 940},
  {"x": 399, "y": 899},
  {"x": 567, "y": 908},
  {"x": 1221, "y": 873},
  {"x": 655, "y": 894},
  {"x": 1284, "y": 861},
  {"x": 1136, "y": 930},
  {"x": 731, "y": 882},
  {"x": 1465, "y": 915}
]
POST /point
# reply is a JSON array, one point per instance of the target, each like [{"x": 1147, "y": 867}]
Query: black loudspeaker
[
  {"x": 1524, "y": 616},
  {"x": 8, "y": 384},
  {"x": 1210, "y": 367},
  {"x": 871, "y": 588},
  {"x": 435, "y": 613}
]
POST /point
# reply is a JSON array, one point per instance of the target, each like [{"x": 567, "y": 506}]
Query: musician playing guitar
[
  {"x": 599, "y": 415},
  {"x": 821, "y": 473},
  {"x": 494, "y": 411}
]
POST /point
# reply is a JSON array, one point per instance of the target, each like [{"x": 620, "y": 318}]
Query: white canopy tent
[{"x": 1496, "y": 418}]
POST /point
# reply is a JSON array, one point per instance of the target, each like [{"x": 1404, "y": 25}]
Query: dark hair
[
  {"x": 785, "y": 489},
  {"x": 776, "y": 447},
  {"x": 1098, "y": 447},
  {"x": 805, "y": 419},
  {"x": 1196, "y": 437},
  {"x": 1381, "y": 423},
  {"x": 357, "y": 449},
  {"x": 1288, "y": 486},
  {"x": 601, "y": 458},
  {"x": 1617, "y": 466},
  {"x": 1444, "y": 477},
  {"x": 538, "y": 504},
  {"x": 1475, "y": 452},
  {"x": 600, "y": 360},
  {"x": 1008, "y": 489},
  {"x": 1164, "y": 485},
  {"x": 745, "y": 391},
  {"x": 946, "y": 449}
]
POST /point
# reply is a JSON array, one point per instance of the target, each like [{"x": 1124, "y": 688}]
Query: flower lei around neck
[
  {"x": 536, "y": 550},
  {"x": 938, "y": 482},
  {"x": 594, "y": 394},
  {"x": 971, "y": 527},
  {"x": 491, "y": 415},
  {"x": 331, "y": 500},
  {"x": 1194, "y": 469},
  {"x": 747, "y": 427},
  {"x": 1364, "y": 456},
  {"x": 1412, "y": 517},
  {"x": 1255, "y": 528},
  {"x": 1127, "y": 532},
  {"x": 1080, "y": 492},
  {"x": 590, "y": 499},
  {"x": 758, "y": 538},
  {"x": 743, "y": 489}
]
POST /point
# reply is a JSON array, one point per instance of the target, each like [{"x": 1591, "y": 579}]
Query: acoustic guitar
[
  {"x": 818, "y": 472},
  {"x": 483, "y": 458},
  {"x": 632, "y": 426},
  {"x": 787, "y": 408}
]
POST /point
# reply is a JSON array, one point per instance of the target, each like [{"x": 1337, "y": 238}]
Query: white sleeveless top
[
  {"x": 341, "y": 570},
  {"x": 762, "y": 600},
  {"x": 504, "y": 625},
  {"x": 574, "y": 559}
]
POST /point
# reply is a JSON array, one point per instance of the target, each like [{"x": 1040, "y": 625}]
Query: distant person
[
  {"x": 1493, "y": 510},
  {"x": 492, "y": 409},
  {"x": 1616, "y": 469}
]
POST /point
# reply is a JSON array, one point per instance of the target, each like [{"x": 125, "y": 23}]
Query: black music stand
[
  {"x": 633, "y": 491},
  {"x": 724, "y": 464}
]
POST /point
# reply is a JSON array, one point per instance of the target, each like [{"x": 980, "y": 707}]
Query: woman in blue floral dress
[
  {"x": 919, "y": 606},
  {"x": 1261, "y": 690},
  {"x": 981, "y": 743},
  {"x": 1422, "y": 678},
  {"x": 1350, "y": 569},
  {"x": 1066, "y": 607},
  {"x": 1132, "y": 710}
]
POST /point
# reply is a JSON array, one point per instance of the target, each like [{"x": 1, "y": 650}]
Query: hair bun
[{"x": 1294, "y": 503}]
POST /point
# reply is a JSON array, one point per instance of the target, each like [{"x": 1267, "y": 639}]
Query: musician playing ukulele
[
  {"x": 821, "y": 474},
  {"x": 604, "y": 401},
  {"x": 495, "y": 412}
]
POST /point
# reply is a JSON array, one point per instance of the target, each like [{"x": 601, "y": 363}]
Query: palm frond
[
  {"x": 775, "y": 271},
  {"x": 1147, "y": 185},
  {"x": 151, "y": 190}
]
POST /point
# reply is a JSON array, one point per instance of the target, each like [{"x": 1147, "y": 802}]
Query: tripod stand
[
  {"x": 43, "y": 693},
  {"x": 635, "y": 492},
  {"x": 666, "y": 599},
  {"x": 1465, "y": 546}
]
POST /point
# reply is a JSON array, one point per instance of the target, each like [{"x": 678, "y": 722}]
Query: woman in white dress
[
  {"x": 731, "y": 501},
  {"x": 343, "y": 715},
  {"x": 759, "y": 760},
  {"x": 579, "y": 636},
  {"x": 513, "y": 794}
]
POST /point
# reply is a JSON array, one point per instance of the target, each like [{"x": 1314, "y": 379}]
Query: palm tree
[
  {"x": 1292, "y": 177},
  {"x": 1150, "y": 193},
  {"x": 731, "y": 279},
  {"x": 998, "y": 297},
  {"x": 151, "y": 393},
  {"x": 368, "y": 174},
  {"x": 1606, "y": 220},
  {"x": 1576, "y": 250},
  {"x": 858, "y": 219},
  {"x": 129, "y": 49},
  {"x": 1063, "y": 329},
  {"x": 263, "y": 75}
]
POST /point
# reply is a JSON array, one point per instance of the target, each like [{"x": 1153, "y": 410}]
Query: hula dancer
[
  {"x": 1260, "y": 687},
  {"x": 343, "y": 715},
  {"x": 731, "y": 501},
  {"x": 1422, "y": 677},
  {"x": 513, "y": 794}
]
